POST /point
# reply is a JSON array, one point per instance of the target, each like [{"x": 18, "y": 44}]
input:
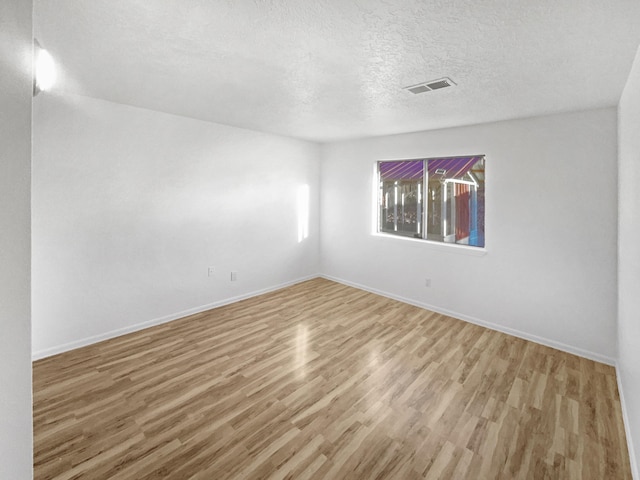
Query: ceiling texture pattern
[{"x": 326, "y": 70}]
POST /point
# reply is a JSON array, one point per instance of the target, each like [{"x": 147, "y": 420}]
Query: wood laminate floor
[{"x": 324, "y": 381}]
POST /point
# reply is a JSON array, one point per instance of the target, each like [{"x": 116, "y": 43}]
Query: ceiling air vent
[
  {"x": 418, "y": 89},
  {"x": 431, "y": 85}
]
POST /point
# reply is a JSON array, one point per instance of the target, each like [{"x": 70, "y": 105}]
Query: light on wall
[
  {"x": 44, "y": 70},
  {"x": 303, "y": 212}
]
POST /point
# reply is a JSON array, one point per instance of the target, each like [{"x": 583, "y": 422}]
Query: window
[{"x": 437, "y": 199}]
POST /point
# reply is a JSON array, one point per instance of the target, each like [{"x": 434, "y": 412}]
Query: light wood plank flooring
[{"x": 324, "y": 381}]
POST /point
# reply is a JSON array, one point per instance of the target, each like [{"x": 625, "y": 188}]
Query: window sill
[{"x": 439, "y": 246}]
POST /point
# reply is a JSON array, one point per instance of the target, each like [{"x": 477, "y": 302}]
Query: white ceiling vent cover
[{"x": 431, "y": 85}]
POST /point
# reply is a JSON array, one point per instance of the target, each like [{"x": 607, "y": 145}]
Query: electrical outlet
[
  {"x": 234, "y": 276},
  {"x": 427, "y": 282},
  {"x": 211, "y": 271}
]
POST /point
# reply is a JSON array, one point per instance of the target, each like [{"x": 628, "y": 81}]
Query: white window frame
[{"x": 450, "y": 247}]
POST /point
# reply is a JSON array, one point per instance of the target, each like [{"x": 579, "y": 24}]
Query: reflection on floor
[{"x": 324, "y": 381}]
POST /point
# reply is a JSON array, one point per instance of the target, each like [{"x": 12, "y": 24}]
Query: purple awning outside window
[
  {"x": 404, "y": 170},
  {"x": 456, "y": 167}
]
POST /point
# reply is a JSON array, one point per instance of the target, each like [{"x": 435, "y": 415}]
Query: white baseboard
[
  {"x": 524, "y": 335},
  {"x": 627, "y": 427},
  {"x": 48, "y": 352},
  {"x": 492, "y": 326},
  {"x": 40, "y": 354}
]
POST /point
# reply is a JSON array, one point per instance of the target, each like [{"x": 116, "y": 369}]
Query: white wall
[
  {"x": 549, "y": 273},
  {"x": 15, "y": 176},
  {"x": 629, "y": 257},
  {"x": 131, "y": 206}
]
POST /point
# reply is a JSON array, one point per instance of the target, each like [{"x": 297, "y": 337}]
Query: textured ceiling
[{"x": 326, "y": 70}]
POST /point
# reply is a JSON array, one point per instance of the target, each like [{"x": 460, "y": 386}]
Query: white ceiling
[{"x": 327, "y": 70}]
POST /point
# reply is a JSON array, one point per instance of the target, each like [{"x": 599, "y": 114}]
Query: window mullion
[{"x": 425, "y": 196}]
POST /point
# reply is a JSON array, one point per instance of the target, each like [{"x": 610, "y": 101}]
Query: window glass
[
  {"x": 437, "y": 199},
  {"x": 401, "y": 197}
]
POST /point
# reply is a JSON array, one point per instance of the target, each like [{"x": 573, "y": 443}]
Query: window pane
[
  {"x": 456, "y": 200},
  {"x": 400, "y": 199}
]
